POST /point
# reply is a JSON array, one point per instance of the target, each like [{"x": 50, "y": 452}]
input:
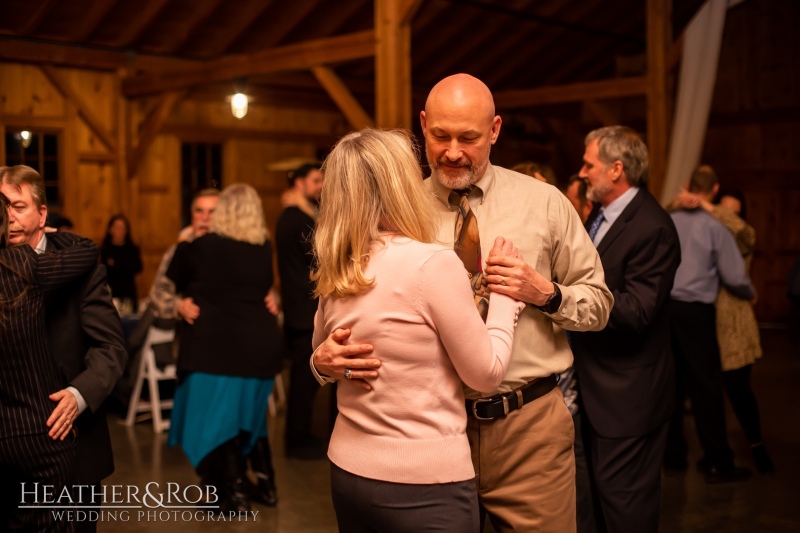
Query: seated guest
[
  {"x": 230, "y": 351},
  {"x": 399, "y": 450},
  {"x": 123, "y": 260},
  {"x": 35, "y": 445}
]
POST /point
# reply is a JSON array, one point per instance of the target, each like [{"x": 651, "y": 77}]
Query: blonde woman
[
  {"x": 230, "y": 353},
  {"x": 401, "y": 460}
]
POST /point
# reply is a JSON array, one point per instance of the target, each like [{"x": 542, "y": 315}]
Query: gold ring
[{"x": 502, "y": 280}]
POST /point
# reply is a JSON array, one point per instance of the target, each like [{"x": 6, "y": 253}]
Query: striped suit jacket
[{"x": 28, "y": 373}]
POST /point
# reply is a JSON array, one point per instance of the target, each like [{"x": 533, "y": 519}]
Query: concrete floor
[{"x": 761, "y": 505}]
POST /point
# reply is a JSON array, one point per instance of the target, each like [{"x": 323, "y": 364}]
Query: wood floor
[{"x": 761, "y": 505}]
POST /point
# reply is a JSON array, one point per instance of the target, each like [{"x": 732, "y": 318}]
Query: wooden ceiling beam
[
  {"x": 200, "y": 15},
  {"x": 193, "y": 133},
  {"x": 392, "y": 65},
  {"x": 246, "y": 16},
  {"x": 13, "y": 50},
  {"x": 146, "y": 14},
  {"x": 573, "y": 92},
  {"x": 85, "y": 112},
  {"x": 659, "y": 36},
  {"x": 283, "y": 22},
  {"x": 339, "y": 93},
  {"x": 600, "y": 112},
  {"x": 327, "y": 22},
  {"x": 151, "y": 127},
  {"x": 301, "y": 56},
  {"x": 38, "y": 16},
  {"x": 90, "y": 19},
  {"x": 408, "y": 9}
]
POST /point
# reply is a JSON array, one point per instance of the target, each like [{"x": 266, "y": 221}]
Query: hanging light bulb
[
  {"x": 24, "y": 138},
  {"x": 239, "y": 105}
]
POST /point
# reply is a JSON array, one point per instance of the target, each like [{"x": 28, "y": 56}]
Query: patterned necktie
[
  {"x": 596, "y": 225},
  {"x": 467, "y": 245}
]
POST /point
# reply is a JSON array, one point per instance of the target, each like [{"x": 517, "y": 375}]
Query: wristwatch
[{"x": 553, "y": 303}]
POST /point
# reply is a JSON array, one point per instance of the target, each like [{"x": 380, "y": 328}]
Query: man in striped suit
[{"x": 84, "y": 334}]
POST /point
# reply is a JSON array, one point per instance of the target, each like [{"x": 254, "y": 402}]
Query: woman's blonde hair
[
  {"x": 239, "y": 215},
  {"x": 373, "y": 183}
]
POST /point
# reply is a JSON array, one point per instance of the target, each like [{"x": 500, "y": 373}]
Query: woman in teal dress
[{"x": 230, "y": 353}]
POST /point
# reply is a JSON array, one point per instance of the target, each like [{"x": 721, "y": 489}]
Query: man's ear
[
  {"x": 423, "y": 122},
  {"x": 42, "y": 215},
  {"x": 616, "y": 170},
  {"x": 496, "y": 123}
]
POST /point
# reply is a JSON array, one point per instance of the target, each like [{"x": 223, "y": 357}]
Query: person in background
[
  {"x": 293, "y": 236},
  {"x": 230, "y": 351},
  {"x": 541, "y": 172},
  {"x": 123, "y": 260},
  {"x": 737, "y": 329},
  {"x": 59, "y": 222},
  {"x": 576, "y": 194},
  {"x": 399, "y": 452},
  {"x": 710, "y": 259},
  {"x": 165, "y": 302},
  {"x": 626, "y": 371}
]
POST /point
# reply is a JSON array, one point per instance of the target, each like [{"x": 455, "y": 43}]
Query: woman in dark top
[
  {"x": 29, "y": 374},
  {"x": 122, "y": 259},
  {"x": 231, "y": 352}
]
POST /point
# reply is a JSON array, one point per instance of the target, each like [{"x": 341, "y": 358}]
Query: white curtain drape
[{"x": 702, "y": 42}]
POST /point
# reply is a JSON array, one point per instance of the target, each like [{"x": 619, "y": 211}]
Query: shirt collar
[
  {"x": 482, "y": 186},
  {"x": 42, "y": 246},
  {"x": 613, "y": 210}
]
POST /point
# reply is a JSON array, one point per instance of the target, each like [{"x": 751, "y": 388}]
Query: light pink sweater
[{"x": 421, "y": 318}]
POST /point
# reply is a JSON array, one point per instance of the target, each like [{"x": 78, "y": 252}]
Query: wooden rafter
[
  {"x": 600, "y": 112},
  {"x": 407, "y": 10},
  {"x": 148, "y": 12},
  {"x": 191, "y": 133},
  {"x": 151, "y": 127},
  {"x": 24, "y": 51},
  {"x": 85, "y": 111},
  {"x": 38, "y": 16},
  {"x": 199, "y": 15},
  {"x": 339, "y": 93},
  {"x": 246, "y": 16},
  {"x": 573, "y": 92},
  {"x": 284, "y": 21},
  {"x": 659, "y": 35},
  {"x": 392, "y": 65},
  {"x": 90, "y": 19},
  {"x": 299, "y": 56}
]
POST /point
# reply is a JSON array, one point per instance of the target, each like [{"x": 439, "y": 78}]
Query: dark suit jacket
[
  {"x": 295, "y": 261},
  {"x": 235, "y": 334},
  {"x": 28, "y": 374},
  {"x": 626, "y": 372},
  {"x": 87, "y": 342}
]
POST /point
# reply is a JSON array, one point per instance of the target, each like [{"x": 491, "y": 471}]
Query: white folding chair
[{"x": 148, "y": 370}]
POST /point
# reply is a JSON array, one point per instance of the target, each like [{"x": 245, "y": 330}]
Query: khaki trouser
[{"x": 525, "y": 467}]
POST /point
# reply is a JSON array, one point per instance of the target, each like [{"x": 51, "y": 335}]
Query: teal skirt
[{"x": 210, "y": 410}]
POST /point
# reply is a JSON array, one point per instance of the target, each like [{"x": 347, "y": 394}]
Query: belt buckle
[{"x": 475, "y": 408}]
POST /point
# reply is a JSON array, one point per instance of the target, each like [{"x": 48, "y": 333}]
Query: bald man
[{"x": 522, "y": 434}]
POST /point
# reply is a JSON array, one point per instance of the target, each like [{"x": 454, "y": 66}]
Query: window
[
  {"x": 201, "y": 168},
  {"x": 38, "y": 150}
]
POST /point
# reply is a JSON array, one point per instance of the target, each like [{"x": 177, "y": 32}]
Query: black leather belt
[{"x": 502, "y": 404}]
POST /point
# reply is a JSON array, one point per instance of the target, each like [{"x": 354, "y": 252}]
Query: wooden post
[
  {"x": 393, "y": 62},
  {"x": 659, "y": 39}
]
